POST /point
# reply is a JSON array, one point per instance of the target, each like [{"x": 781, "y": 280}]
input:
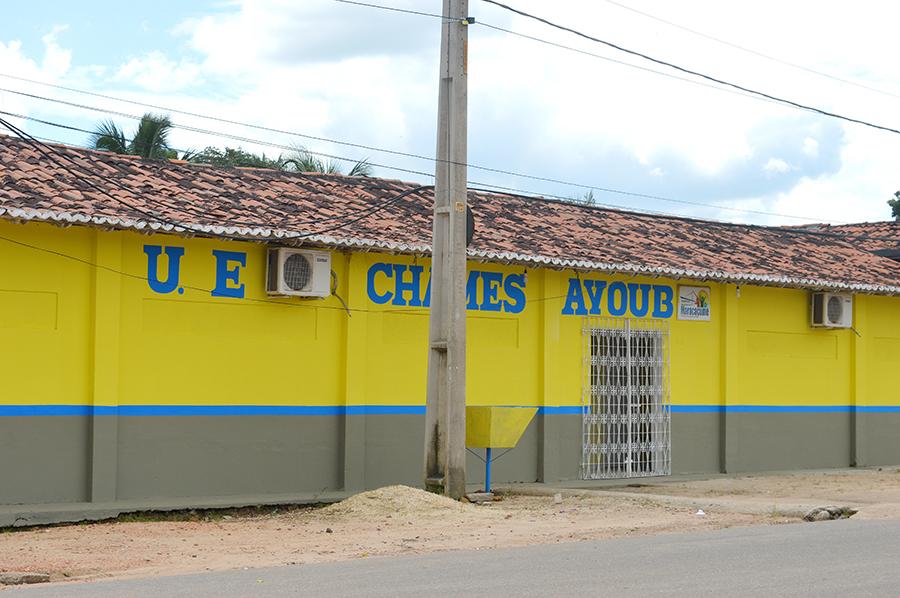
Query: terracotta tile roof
[
  {"x": 871, "y": 236},
  {"x": 269, "y": 205}
]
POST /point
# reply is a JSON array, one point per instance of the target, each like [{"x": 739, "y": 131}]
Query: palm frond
[
  {"x": 300, "y": 159},
  {"x": 361, "y": 168},
  {"x": 190, "y": 155},
  {"x": 151, "y": 139},
  {"x": 330, "y": 167},
  {"x": 107, "y": 136}
]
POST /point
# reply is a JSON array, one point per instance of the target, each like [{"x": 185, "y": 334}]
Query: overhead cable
[
  {"x": 752, "y": 51},
  {"x": 394, "y": 9},
  {"x": 688, "y": 71},
  {"x": 784, "y": 230},
  {"x": 49, "y": 152},
  {"x": 344, "y": 142},
  {"x": 428, "y": 174}
]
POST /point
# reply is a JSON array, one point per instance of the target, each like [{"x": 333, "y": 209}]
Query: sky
[{"x": 359, "y": 75}]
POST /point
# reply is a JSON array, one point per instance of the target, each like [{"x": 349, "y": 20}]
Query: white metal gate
[{"x": 626, "y": 415}]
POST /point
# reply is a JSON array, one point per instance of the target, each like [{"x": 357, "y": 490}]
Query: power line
[
  {"x": 427, "y": 174},
  {"x": 39, "y": 146},
  {"x": 124, "y": 274},
  {"x": 492, "y": 188},
  {"x": 212, "y": 118},
  {"x": 186, "y": 209},
  {"x": 516, "y": 33},
  {"x": 734, "y": 88},
  {"x": 693, "y": 72},
  {"x": 752, "y": 51},
  {"x": 393, "y": 9},
  {"x": 341, "y": 223},
  {"x": 348, "y": 143},
  {"x": 803, "y": 231},
  {"x": 212, "y": 133},
  {"x": 627, "y": 64},
  {"x": 518, "y": 193},
  {"x": 473, "y": 185}
]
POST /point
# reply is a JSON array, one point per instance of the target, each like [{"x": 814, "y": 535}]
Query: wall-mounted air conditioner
[
  {"x": 298, "y": 272},
  {"x": 832, "y": 310}
]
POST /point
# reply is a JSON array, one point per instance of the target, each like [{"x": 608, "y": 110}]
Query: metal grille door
[{"x": 626, "y": 416}]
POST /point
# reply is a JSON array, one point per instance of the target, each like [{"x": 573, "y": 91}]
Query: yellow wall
[
  {"x": 74, "y": 334},
  {"x": 782, "y": 360},
  {"x": 878, "y": 351},
  {"x": 46, "y": 316}
]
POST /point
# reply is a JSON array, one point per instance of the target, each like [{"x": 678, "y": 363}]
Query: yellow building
[{"x": 149, "y": 360}]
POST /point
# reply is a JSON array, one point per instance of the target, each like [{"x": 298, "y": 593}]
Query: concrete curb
[
  {"x": 797, "y": 510},
  {"x": 49, "y": 514},
  {"x": 18, "y": 579}
]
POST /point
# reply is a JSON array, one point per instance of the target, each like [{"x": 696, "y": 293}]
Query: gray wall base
[{"x": 161, "y": 463}]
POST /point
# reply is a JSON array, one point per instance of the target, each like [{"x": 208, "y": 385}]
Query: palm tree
[
  {"x": 301, "y": 159},
  {"x": 150, "y": 141}
]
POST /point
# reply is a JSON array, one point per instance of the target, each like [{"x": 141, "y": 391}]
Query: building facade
[{"x": 150, "y": 368}]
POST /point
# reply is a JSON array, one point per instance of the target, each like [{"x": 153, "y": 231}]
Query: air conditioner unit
[
  {"x": 832, "y": 310},
  {"x": 298, "y": 273}
]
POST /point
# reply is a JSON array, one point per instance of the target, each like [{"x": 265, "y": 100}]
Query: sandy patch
[
  {"x": 876, "y": 492},
  {"x": 389, "y": 521}
]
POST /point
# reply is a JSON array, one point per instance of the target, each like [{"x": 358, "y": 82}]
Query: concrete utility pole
[{"x": 445, "y": 415}]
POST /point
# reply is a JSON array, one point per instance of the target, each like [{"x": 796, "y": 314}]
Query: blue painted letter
[
  {"x": 374, "y": 296},
  {"x": 491, "y": 282},
  {"x": 226, "y": 275},
  {"x": 174, "y": 256},
  {"x": 472, "y": 290},
  {"x": 401, "y": 286},
  {"x": 634, "y": 289},
  {"x": 662, "y": 301},
  {"x": 574, "y": 299},
  {"x": 617, "y": 307},
  {"x": 595, "y": 294},
  {"x": 514, "y": 287}
]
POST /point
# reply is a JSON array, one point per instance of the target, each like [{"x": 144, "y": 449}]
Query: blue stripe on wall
[
  {"x": 206, "y": 410},
  {"x": 783, "y": 409},
  {"x": 322, "y": 410},
  {"x": 566, "y": 410}
]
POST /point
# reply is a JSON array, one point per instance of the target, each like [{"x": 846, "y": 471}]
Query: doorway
[{"x": 626, "y": 412}]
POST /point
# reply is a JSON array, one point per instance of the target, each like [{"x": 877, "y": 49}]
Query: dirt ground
[
  {"x": 875, "y": 492},
  {"x": 400, "y": 520}
]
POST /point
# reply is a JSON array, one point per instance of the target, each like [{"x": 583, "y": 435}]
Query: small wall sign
[{"x": 693, "y": 303}]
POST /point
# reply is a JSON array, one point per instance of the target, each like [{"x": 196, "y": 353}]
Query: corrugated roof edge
[{"x": 268, "y": 235}]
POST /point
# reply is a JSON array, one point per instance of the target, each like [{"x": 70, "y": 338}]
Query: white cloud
[
  {"x": 55, "y": 63},
  {"x": 811, "y": 147},
  {"x": 56, "y": 59},
  {"x": 154, "y": 72},
  {"x": 261, "y": 34},
  {"x": 776, "y": 166},
  {"x": 369, "y": 76}
]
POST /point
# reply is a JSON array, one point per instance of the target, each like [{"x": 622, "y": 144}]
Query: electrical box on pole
[{"x": 445, "y": 419}]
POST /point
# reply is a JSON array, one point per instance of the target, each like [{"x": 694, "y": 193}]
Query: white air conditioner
[
  {"x": 298, "y": 272},
  {"x": 832, "y": 310}
]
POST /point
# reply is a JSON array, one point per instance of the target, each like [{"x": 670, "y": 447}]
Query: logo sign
[{"x": 693, "y": 303}]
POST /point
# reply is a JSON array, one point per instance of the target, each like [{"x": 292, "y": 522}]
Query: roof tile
[{"x": 514, "y": 228}]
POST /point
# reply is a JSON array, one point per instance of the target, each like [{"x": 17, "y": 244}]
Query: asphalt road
[{"x": 835, "y": 558}]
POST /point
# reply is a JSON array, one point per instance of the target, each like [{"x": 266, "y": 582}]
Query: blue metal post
[{"x": 487, "y": 469}]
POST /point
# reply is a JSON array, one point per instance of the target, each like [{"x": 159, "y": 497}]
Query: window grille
[{"x": 626, "y": 414}]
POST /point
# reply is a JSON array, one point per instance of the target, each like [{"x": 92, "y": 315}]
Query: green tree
[
  {"x": 301, "y": 159},
  {"x": 586, "y": 198},
  {"x": 895, "y": 205},
  {"x": 232, "y": 157},
  {"x": 150, "y": 140}
]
